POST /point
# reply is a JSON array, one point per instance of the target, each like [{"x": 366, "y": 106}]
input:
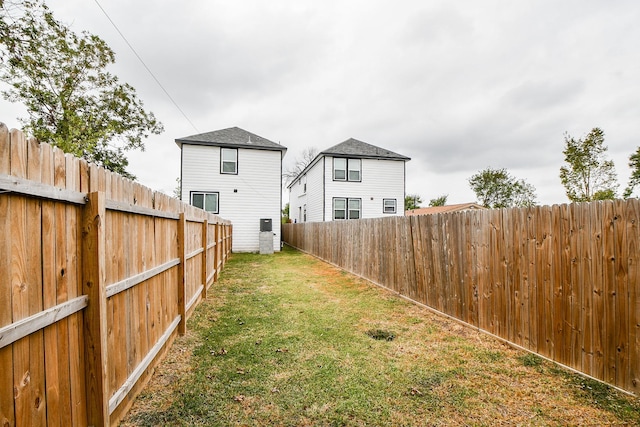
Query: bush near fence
[
  {"x": 561, "y": 281},
  {"x": 99, "y": 274}
]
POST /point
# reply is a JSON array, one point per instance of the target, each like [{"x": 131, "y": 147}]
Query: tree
[
  {"x": 496, "y": 188},
  {"x": 439, "y": 201},
  {"x": 412, "y": 201},
  {"x": 177, "y": 191},
  {"x": 589, "y": 175},
  {"x": 308, "y": 154},
  {"x": 285, "y": 214},
  {"x": 634, "y": 179},
  {"x": 71, "y": 100}
]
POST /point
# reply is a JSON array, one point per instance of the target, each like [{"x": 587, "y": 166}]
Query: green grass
[{"x": 287, "y": 340}]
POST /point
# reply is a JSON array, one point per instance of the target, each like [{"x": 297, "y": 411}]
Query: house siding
[
  {"x": 381, "y": 179},
  {"x": 313, "y": 197},
  {"x": 244, "y": 198}
]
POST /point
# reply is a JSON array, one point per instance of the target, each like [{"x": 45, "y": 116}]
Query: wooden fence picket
[
  {"x": 562, "y": 281},
  {"x": 91, "y": 300}
]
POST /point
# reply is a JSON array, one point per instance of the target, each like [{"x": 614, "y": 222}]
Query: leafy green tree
[
  {"x": 285, "y": 214},
  {"x": 588, "y": 175},
  {"x": 412, "y": 201},
  {"x": 496, "y": 188},
  {"x": 61, "y": 78},
  {"x": 634, "y": 179},
  {"x": 439, "y": 201}
]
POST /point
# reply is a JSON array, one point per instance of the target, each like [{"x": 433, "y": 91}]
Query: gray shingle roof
[
  {"x": 354, "y": 148},
  {"x": 231, "y": 137}
]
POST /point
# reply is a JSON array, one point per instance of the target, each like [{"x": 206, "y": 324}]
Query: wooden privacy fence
[
  {"x": 561, "y": 281},
  {"x": 98, "y": 275}
]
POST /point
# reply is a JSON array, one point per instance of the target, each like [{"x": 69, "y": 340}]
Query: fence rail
[
  {"x": 99, "y": 274},
  {"x": 561, "y": 281}
]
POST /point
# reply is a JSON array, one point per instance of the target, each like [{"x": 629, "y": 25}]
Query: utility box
[
  {"x": 265, "y": 224},
  {"x": 266, "y": 236}
]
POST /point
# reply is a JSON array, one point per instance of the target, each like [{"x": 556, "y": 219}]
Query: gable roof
[
  {"x": 231, "y": 137},
  {"x": 445, "y": 209},
  {"x": 354, "y": 148}
]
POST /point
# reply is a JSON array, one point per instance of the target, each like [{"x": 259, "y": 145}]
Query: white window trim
[
  {"x": 205, "y": 193},
  {"x": 346, "y": 208},
  {"x": 384, "y": 206}
]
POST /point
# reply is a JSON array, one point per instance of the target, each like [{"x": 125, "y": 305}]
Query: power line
[{"x": 145, "y": 66}]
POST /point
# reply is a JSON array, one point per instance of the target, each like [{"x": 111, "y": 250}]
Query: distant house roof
[
  {"x": 231, "y": 137},
  {"x": 354, "y": 148},
  {"x": 445, "y": 209}
]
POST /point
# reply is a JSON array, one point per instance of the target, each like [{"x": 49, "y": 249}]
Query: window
[
  {"x": 354, "y": 208},
  {"x": 389, "y": 206},
  {"x": 344, "y": 208},
  {"x": 339, "y": 208},
  {"x": 339, "y": 169},
  {"x": 354, "y": 170},
  {"x": 347, "y": 169},
  {"x": 304, "y": 213},
  {"x": 229, "y": 160},
  {"x": 206, "y": 201}
]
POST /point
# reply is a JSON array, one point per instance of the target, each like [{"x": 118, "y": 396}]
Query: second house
[{"x": 351, "y": 180}]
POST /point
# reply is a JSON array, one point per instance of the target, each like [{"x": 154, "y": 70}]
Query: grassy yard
[{"x": 288, "y": 340}]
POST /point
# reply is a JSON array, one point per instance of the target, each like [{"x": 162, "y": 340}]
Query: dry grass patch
[{"x": 297, "y": 352}]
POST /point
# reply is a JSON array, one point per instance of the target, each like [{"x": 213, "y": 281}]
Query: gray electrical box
[{"x": 265, "y": 224}]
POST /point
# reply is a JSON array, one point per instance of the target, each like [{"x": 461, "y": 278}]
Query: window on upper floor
[
  {"x": 389, "y": 206},
  {"x": 354, "y": 172},
  {"x": 205, "y": 200},
  {"x": 347, "y": 169},
  {"x": 346, "y": 208},
  {"x": 229, "y": 160}
]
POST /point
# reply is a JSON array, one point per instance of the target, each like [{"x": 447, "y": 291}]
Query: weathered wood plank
[
  {"x": 633, "y": 244},
  {"x": 34, "y": 188},
  {"x": 40, "y": 320},
  {"x": 23, "y": 389},
  {"x": 95, "y": 327},
  {"x": 62, "y": 284},
  {"x": 7, "y": 409},
  {"x": 132, "y": 281},
  {"x": 119, "y": 396},
  {"x": 610, "y": 297},
  {"x": 586, "y": 285},
  {"x": 557, "y": 283},
  {"x": 598, "y": 290},
  {"x": 621, "y": 286},
  {"x": 182, "y": 300}
]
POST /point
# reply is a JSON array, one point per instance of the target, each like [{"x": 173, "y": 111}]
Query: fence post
[
  {"x": 95, "y": 315},
  {"x": 182, "y": 271},
  {"x": 205, "y": 243},
  {"x": 216, "y": 256}
]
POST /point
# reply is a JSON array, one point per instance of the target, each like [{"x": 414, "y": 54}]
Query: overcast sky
[{"x": 458, "y": 86}]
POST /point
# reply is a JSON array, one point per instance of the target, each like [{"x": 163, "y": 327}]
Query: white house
[
  {"x": 351, "y": 180},
  {"x": 237, "y": 175}
]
